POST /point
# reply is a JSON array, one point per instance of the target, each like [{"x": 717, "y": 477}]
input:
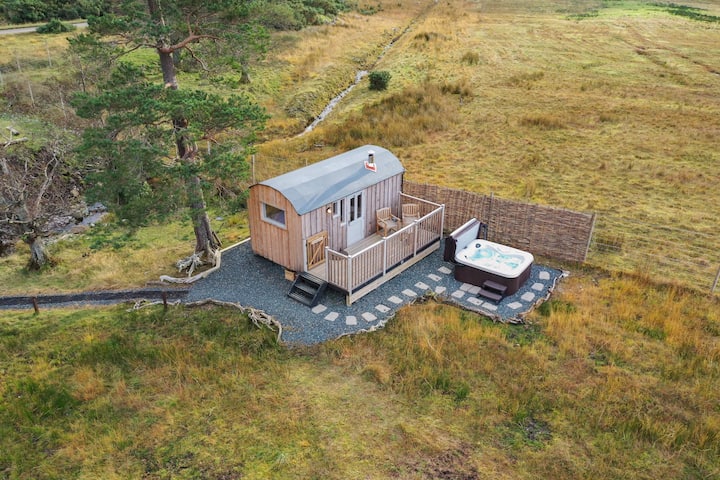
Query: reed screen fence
[{"x": 546, "y": 231}]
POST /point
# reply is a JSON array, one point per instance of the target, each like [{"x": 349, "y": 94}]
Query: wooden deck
[{"x": 367, "y": 264}]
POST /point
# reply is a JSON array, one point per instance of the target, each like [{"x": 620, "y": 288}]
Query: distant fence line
[{"x": 547, "y": 231}]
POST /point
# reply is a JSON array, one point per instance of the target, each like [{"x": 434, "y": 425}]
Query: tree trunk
[
  {"x": 206, "y": 241},
  {"x": 38, "y": 255}
]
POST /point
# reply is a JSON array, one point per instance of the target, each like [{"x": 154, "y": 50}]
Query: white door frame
[{"x": 355, "y": 212}]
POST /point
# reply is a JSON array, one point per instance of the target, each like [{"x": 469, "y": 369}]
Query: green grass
[
  {"x": 109, "y": 256},
  {"x": 583, "y": 392}
]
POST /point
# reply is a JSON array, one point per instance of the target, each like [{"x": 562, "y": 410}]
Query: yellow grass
[{"x": 615, "y": 114}]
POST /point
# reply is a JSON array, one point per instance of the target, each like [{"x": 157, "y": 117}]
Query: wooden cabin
[{"x": 321, "y": 218}]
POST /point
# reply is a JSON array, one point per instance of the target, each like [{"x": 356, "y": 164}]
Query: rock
[{"x": 78, "y": 229}]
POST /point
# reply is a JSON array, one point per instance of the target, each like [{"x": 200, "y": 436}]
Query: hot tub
[{"x": 477, "y": 260}]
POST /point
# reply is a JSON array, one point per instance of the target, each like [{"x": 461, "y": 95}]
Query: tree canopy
[{"x": 154, "y": 143}]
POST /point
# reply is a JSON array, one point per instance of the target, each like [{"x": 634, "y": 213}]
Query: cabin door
[{"x": 355, "y": 210}]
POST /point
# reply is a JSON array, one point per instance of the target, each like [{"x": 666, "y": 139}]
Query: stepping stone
[
  {"x": 473, "y": 290},
  {"x": 475, "y": 301},
  {"x": 332, "y": 316},
  {"x": 382, "y": 308},
  {"x": 368, "y": 317},
  {"x": 319, "y": 308},
  {"x": 409, "y": 293},
  {"x": 538, "y": 286},
  {"x": 490, "y": 306},
  {"x": 395, "y": 300},
  {"x": 422, "y": 286},
  {"x": 515, "y": 305},
  {"x": 434, "y": 278},
  {"x": 457, "y": 294},
  {"x": 465, "y": 287},
  {"x": 544, "y": 275},
  {"x": 440, "y": 290},
  {"x": 351, "y": 320},
  {"x": 528, "y": 296},
  {"x": 445, "y": 270}
]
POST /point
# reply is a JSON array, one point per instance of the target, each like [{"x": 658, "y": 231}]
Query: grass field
[
  {"x": 615, "y": 378},
  {"x": 614, "y": 112}
]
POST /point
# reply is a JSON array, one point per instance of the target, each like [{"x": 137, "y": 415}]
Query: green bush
[
  {"x": 379, "y": 80},
  {"x": 55, "y": 26}
]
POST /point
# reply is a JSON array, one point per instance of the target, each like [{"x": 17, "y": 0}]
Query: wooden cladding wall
[
  {"x": 382, "y": 194},
  {"x": 283, "y": 246},
  {"x": 542, "y": 230}
]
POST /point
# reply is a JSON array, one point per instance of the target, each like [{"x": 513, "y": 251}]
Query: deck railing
[{"x": 361, "y": 272}]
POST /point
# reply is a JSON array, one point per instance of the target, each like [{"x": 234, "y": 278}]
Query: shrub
[
  {"x": 471, "y": 58},
  {"x": 55, "y": 26},
  {"x": 379, "y": 80}
]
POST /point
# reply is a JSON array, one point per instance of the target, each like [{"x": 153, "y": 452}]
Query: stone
[
  {"x": 319, "y": 308},
  {"x": 528, "y": 296}
]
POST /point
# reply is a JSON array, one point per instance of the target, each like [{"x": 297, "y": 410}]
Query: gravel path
[
  {"x": 253, "y": 281},
  {"x": 101, "y": 297}
]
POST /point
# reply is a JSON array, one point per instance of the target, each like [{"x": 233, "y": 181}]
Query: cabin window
[
  {"x": 337, "y": 209},
  {"x": 355, "y": 212},
  {"x": 274, "y": 215}
]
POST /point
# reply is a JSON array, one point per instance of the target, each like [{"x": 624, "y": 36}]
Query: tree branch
[
  {"x": 198, "y": 59},
  {"x": 185, "y": 42}
]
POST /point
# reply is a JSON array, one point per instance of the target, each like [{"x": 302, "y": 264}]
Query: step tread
[
  {"x": 494, "y": 286},
  {"x": 490, "y": 295}
]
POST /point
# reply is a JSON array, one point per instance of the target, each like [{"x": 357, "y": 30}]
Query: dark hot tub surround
[{"x": 478, "y": 261}]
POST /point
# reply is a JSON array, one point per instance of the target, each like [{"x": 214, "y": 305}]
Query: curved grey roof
[{"x": 327, "y": 181}]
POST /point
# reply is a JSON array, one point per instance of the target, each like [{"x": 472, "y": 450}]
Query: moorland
[{"x": 607, "y": 106}]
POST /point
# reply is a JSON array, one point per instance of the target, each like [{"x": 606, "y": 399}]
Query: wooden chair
[
  {"x": 410, "y": 213},
  {"x": 386, "y": 221}
]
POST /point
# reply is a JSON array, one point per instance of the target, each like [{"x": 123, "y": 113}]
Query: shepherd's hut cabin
[{"x": 342, "y": 222}]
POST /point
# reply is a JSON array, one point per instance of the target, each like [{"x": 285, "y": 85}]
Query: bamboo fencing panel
[{"x": 542, "y": 230}]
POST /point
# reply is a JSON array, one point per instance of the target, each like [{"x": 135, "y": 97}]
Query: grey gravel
[{"x": 253, "y": 281}]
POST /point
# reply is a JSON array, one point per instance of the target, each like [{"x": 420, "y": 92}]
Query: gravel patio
[{"x": 253, "y": 281}]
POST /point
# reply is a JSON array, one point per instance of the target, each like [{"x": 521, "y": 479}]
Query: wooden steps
[
  {"x": 307, "y": 289},
  {"x": 492, "y": 291}
]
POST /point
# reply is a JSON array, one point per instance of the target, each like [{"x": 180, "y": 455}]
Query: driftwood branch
[
  {"x": 14, "y": 141},
  {"x": 216, "y": 261},
  {"x": 259, "y": 318}
]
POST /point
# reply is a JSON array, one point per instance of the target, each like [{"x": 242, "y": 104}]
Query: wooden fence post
[
  {"x": 715, "y": 283},
  {"x": 36, "y": 307},
  {"x": 590, "y": 236}
]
